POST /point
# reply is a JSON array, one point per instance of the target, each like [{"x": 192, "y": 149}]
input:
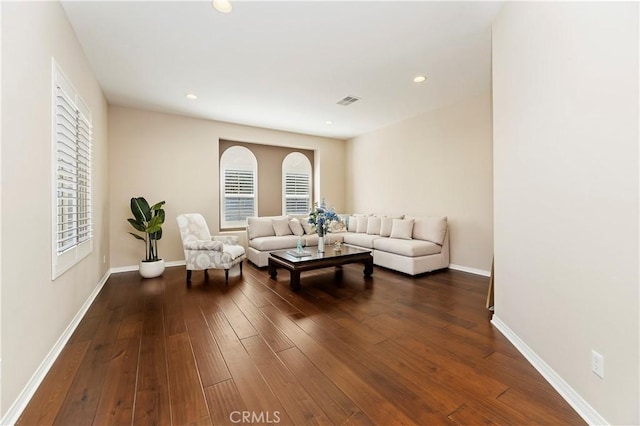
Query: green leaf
[
  {"x": 157, "y": 206},
  {"x": 156, "y": 235},
  {"x": 154, "y": 225},
  {"x": 137, "y": 225},
  {"x": 137, "y": 236},
  {"x": 160, "y": 214},
  {"x": 140, "y": 209}
]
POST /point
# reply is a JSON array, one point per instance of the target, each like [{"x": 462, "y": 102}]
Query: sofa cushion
[
  {"x": 260, "y": 227},
  {"x": 361, "y": 227},
  {"x": 352, "y": 224},
  {"x": 385, "y": 226},
  {"x": 386, "y": 223},
  {"x": 432, "y": 228},
  {"x": 274, "y": 243},
  {"x": 402, "y": 228},
  {"x": 281, "y": 226},
  {"x": 409, "y": 248},
  {"x": 296, "y": 226},
  {"x": 330, "y": 238},
  {"x": 235, "y": 251},
  {"x": 373, "y": 225},
  {"x": 336, "y": 226},
  {"x": 360, "y": 240},
  {"x": 308, "y": 228}
]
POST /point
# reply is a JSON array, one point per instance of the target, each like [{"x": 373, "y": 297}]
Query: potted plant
[{"x": 148, "y": 220}]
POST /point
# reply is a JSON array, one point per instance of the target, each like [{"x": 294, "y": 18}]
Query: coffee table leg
[
  {"x": 338, "y": 274},
  {"x": 295, "y": 280},
  {"x": 273, "y": 271},
  {"x": 368, "y": 267}
]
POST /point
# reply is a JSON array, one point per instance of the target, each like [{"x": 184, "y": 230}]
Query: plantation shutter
[
  {"x": 239, "y": 196},
  {"x": 73, "y": 161},
  {"x": 297, "y": 193},
  {"x": 72, "y": 143}
]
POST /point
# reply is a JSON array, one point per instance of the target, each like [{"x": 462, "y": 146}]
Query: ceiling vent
[{"x": 347, "y": 100}]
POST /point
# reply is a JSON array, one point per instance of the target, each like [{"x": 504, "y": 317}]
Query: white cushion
[
  {"x": 432, "y": 228},
  {"x": 274, "y": 243},
  {"x": 234, "y": 250},
  {"x": 360, "y": 240},
  {"x": 353, "y": 224},
  {"x": 409, "y": 248},
  {"x": 296, "y": 227},
  {"x": 361, "y": 227},
  {"x": 308, "y": 228},
  {"x": 386, "y": 223},
  {"x": 259, "y": 227},
  {"x": 281, "y": 227},
  {"x": 402, "y": 228},
  {"x": 373, "y": 225}
]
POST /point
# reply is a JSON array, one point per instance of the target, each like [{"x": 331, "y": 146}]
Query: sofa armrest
[{"x": 231, "y": 240}]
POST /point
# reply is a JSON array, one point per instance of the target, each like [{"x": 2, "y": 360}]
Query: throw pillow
[
  {"x": 353, "y": 224},
  {"x": 336, "y": 226},
  {"x": 259, "y": 227},
  {"x": 308, "y": 228},
  {"x": 385, "y": 226},
  {"x": 373, "y": 225},
  {"x": 281, "y": 227},
  {"x": 296, "y": 227},
  {"x": 402, "y": 228},
  {"x": 361, "y": 227}
]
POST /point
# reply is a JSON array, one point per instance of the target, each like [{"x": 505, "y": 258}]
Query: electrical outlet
[{"x": 597, "y": 364}]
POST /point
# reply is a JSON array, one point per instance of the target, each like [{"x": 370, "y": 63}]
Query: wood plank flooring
[{"x": 390, "y": 350}]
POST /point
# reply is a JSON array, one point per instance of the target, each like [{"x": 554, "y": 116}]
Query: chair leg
[
  {"x": 241, "y": 267},
  {"x": 188, "y": 276},
  {"x": 226, "y": 277},
  {"x": 206, "y": 275}
]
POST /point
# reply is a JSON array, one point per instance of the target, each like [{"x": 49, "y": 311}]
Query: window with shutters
[
  {"x": 71, "y": 140},
  {"x": 238, "y": 187},
  {"x": 296, "y": 184}
]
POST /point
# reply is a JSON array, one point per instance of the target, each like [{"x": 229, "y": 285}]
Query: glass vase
[{"x": 320, "y": 242}]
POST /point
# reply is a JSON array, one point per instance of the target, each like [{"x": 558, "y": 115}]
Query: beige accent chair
[{"x": 203, "y": 252}]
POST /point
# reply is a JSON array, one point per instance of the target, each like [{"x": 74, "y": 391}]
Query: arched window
[
  {"x": 296, "y": 184},
  {"x": 238, "y": 187}
]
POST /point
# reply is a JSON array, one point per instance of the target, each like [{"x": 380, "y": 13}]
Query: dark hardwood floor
[{"x": 390, "y": 350}]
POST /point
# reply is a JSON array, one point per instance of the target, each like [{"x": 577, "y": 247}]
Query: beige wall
[
  {"x": 36, "y": 311},
  {"x": 438, "y": 163},
  {"x": 175, "y": 158},
  {"x": 565, "y": 79},
  {"x": 270, "y": 160}
]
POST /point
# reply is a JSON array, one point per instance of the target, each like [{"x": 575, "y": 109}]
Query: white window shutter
[{"x": 72, "y": 144}]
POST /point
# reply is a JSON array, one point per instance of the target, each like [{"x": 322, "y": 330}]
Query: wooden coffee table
[{"x": 330, "y": 257}]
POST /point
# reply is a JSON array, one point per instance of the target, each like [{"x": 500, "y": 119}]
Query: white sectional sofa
[{"x": 412, "y": 245}]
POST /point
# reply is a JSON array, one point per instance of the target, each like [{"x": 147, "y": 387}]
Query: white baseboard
[
  {"x": 18, "y": 406},
  {"x": 130, "y": 268},
  {"x": 470, "y": 270},
  {"x": 582, "y": 407}
]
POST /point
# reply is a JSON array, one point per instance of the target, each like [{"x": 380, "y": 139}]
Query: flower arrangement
[{"x": 321, "y": 217}]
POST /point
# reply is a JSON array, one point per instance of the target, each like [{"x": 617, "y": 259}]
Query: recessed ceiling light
[
  {"x": 419, "y": 79},
  {"x": 223, "y": 6},
  {"x": 328, "y": 122},
  {"x": 191, "y": 96}
]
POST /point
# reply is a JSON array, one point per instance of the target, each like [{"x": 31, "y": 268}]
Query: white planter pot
[{"x": 151, "y": 269}]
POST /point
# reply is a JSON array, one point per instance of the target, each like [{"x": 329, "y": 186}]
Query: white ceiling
[{"x": 284, "y": 65}]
